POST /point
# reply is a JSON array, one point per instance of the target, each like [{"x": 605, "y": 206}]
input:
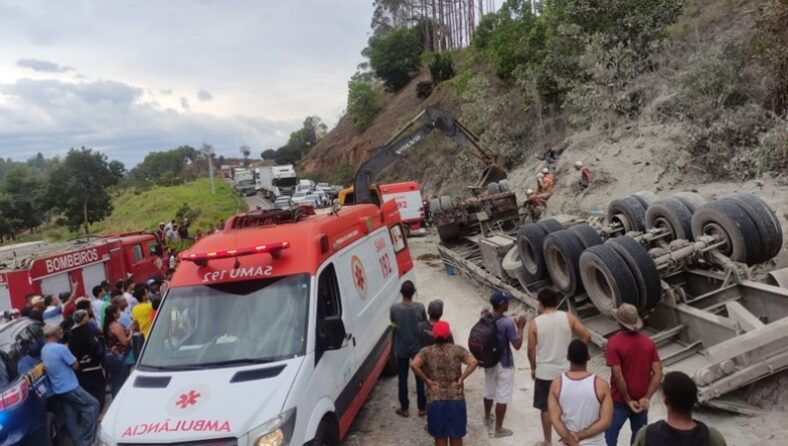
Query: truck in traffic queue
[
  {"x": 276, "y": 181},
  {"x": 273, "y": 332},
  {"x": 52, "y": 268},
  {"x": 244, "y": 182}
]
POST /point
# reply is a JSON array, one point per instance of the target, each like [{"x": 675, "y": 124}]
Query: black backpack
[{"x": 483, "y": 341}]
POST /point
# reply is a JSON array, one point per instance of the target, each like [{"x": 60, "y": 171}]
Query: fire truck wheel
[
  {"x": 493, "y": 188},
  {"x": 550, "y": 225},
  {"x": 435, "y": 206},
  {"x": 645, "y": 198},
  {"x": 670, "y": 214},
  {"x": 765, "y": 220},
  {"x": 327, "y": 434},
  {"x": 692, "y": 200},
  {"x": 530, "y": 242},
  {"x": 587, "y": 235},
  {"x": 731, "y": 224},
  {"x": 562, "y": 251},
  {"x": 504, "y": 186},
  {"x": 607, "y": 279},
  {"x": 633, "y": 211},
  {"x": 446, "y": 203},
  {"x": 642, "y": 268}
]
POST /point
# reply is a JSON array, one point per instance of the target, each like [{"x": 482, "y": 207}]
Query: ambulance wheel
[
  {"x": 327, "y": 434},
  {"x": 562, "y": 251}
]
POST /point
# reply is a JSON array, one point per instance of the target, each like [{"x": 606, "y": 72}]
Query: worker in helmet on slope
[
  {"x": 585, "y": 175},
  {"x": 544, "y": 183},
  {"x": 535, "y": 205}
]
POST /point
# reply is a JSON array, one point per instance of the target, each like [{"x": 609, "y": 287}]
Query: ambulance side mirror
[{"x": 335, "y": 332}]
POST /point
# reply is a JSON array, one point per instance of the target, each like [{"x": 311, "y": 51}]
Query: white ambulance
[
  {"x": 409, "y": 202},
  {"x": 273, "y": 332}
]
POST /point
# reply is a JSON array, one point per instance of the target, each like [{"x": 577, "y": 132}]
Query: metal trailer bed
[{"x": 724, "y": 332}]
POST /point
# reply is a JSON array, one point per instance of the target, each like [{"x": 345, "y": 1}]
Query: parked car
[
  {"x": 315, "y": 200},
  {"x": 27, "y": 417},
  {"x": 283, "y": 203},
  {"x": 299, "y": 197}
]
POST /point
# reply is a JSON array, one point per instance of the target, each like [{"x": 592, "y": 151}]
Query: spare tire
[
  {"x": 765, "y": 220},
  {"x": 587, "y": 235},
  {"x": 691, "y": 200},
  {"x": 607, "y": 279},
  {"x": 670, "y": 214},
  {"x": 631, "y": 209},
  {"x": 642, "y": 268},
  {"x": 645, "y": 198},
  {"x": 504, "y": 186},
  {"x": 530, "y": 243},
  {"x": 728, "y": 220},
  {"x": 446, "y": 203},
  {"x": 513, "y": 266},
  {"x": 562, "y": 251},
  {"x": 493, "y": 188},
  {"x": 550, "y": 225}
]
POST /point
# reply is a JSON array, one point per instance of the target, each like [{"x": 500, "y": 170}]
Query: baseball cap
[
  {"x": 441, "y": 330},
  {"x": 499, "y": 297},
  {"x": 37, "y": 300}
]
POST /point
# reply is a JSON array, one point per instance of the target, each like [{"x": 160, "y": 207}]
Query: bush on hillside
[
  {"x": 394, "y": 56},
  {"x": 441, "y": 68},
  {"x": 773, "y": 150},
  {"x": 771, "y": 49},
  {"x": 363, "y": 102}
]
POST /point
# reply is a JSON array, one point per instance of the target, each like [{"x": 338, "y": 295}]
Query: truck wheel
[
  {"x": 504, "y": 186},
  {"x": 327, "y": 434},
  {"x": 530, "y": 242},
  {"x": 607, "y": 279},
  {"x": 632, "y": 211},
  {"x": 587, "y": 235},
  {"x": 550, "y": 225},
  {"x": 449, "y": 232},
  {"x": 642, "y": 268},
  {"x": 692, "y": 200},
  {"x": 670, "y": 214},
  {"x": 435, "y": 206},
  {"x": 446, "y": 203},
  {"x": 493, "y": 188},
  {"x": 765, "y": 220},
  {"x": 562, "y": 251},
  {"x": 724, "y": 218},
  {"x": 645, "y": 198}
]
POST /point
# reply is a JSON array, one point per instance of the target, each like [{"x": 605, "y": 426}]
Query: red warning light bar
[{"x": 204, "y": 257}]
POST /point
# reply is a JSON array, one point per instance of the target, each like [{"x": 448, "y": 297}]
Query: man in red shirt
[
  {"x": 636, "y": 373},
  {"x": 585, "y": 175}
]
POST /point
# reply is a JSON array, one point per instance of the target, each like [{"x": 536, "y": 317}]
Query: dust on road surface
[{"x": 377, "y": 424}]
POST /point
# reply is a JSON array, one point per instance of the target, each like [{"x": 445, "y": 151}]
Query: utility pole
[{"x": 208, "y": 151}]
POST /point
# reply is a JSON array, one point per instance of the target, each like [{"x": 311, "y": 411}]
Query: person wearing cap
[
  {"x": 80, "y": 409},
  {"x": 434, "y": 312},
  {"x": 37, "y": 307},
  {"x": 499, "y": 380},
  {"x": 405, "y": 317},
  {"x": 549, "y": 336},
  {"x": 581, "y": 407},
  {"x": 440, "y": 367},
  {"x": 85, "y": 344},
  {"x": 636, "y": 372},
  {"x": 680, "y": 394}
]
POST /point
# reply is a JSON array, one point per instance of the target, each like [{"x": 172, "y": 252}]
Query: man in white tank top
[
  {"x": 581, "y": 406},
  {"x": 549, "y": 336}
]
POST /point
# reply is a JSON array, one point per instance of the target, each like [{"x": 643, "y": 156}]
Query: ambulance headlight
[{"x": 275, "y": 432}]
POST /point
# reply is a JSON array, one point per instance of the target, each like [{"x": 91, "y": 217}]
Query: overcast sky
[{"x": 129, "y": 77}]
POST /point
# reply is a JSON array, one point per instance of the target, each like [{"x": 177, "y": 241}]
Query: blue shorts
[{"x": 447, "y": 419}]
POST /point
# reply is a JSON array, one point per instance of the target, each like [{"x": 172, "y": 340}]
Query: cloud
[
  {"x": 166, "y": 91},
  {"x": 51, "y": 116},
  {"x": 184, "y": 103},
  {"x": 204, "y": 95},
  {"x": 42, "y": 65}
]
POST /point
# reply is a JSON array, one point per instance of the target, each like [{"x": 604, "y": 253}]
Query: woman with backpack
[{"x": 87, "y": 346}]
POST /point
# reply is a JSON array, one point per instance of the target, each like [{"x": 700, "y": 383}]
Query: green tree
[
  {"x": 441, "y": 68},
  {"x": 117, "y": 169},
  {"x": 363, "y": 102},
  {"x": 77, "y": 188},
  {"x": 395, "y": 56},
  {"x": 268, "y": 154},
  {"x": 246, "y": 151},
  {"x": 24, "y": 189},
  {"x": 301, "y": 141}
]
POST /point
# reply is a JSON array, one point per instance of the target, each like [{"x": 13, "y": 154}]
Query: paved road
[{"x": 257, "y": 200}]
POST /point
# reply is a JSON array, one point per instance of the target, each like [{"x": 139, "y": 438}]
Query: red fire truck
[{"x": 50, "y": 268}]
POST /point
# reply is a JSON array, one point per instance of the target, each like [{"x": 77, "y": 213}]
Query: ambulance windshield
[{"x": 229, "y": 324}]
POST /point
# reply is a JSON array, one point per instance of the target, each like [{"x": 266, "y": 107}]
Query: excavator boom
[{"x": 431, "y": 119}]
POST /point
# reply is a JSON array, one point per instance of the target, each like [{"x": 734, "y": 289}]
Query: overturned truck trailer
[{"x": 685, "y": 263}]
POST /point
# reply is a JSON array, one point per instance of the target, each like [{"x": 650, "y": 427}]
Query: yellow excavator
[{"x": 365, "y": 191}]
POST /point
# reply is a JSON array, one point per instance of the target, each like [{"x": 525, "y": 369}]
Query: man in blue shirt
[{"x": 80, "y": 409}]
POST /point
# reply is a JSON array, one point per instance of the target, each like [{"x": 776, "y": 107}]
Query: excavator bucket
[{"x": 492, "y": 173}]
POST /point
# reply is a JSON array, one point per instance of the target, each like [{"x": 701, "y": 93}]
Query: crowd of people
[
  {"x": 87, "y": 351},
  {"x": 582, "y": 408},
  {"x": 173, "y": 236}
]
